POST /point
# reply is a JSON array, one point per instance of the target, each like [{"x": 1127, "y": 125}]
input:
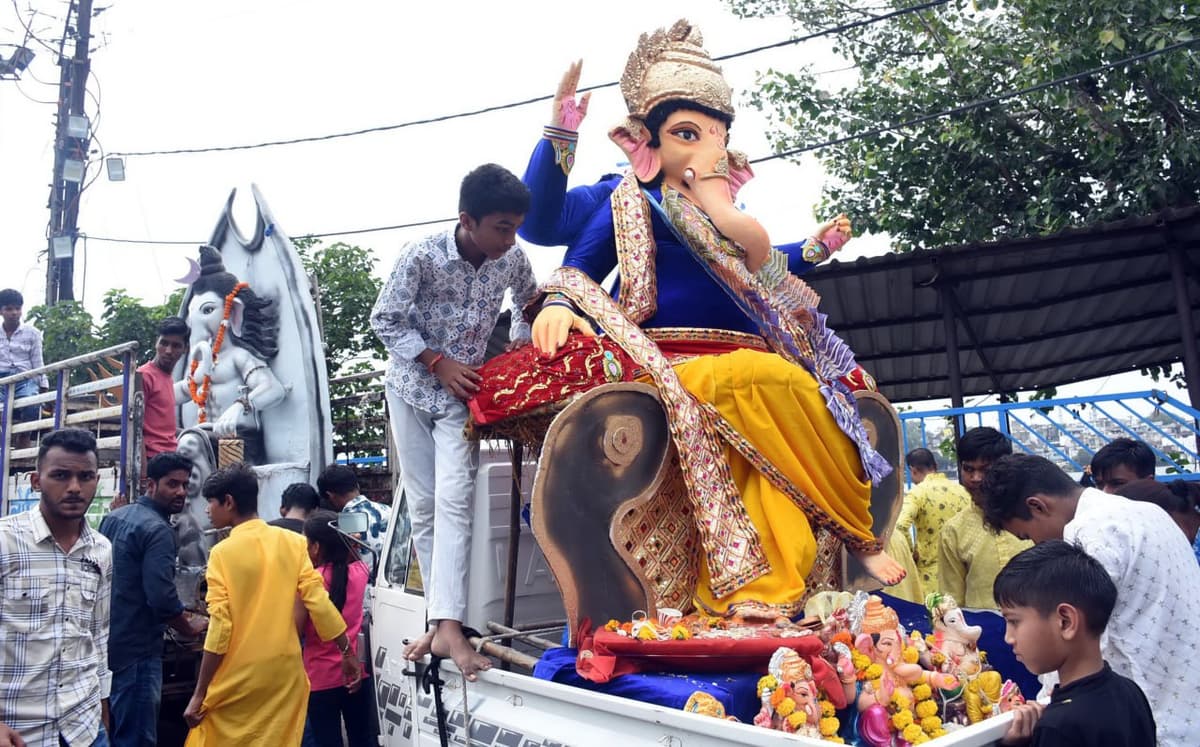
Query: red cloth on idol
[
  {"x": 604, "y": 654},
  {"x": 517, "y": 382}
]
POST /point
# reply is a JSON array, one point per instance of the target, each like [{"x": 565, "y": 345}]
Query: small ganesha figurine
[
  {"x": 953, "y": 638},
  {"x": 895, "y": 700},
  {"x": 790, "y": 700}
]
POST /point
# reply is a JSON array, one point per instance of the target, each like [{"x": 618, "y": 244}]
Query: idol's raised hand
[
  {"x": 835, "y": 233},
  {"x": 567, "y": 112},
  {"x": 552, "y": 325}
]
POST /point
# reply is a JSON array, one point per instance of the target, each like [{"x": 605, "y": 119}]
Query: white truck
[{"x": 512, "y": 708}]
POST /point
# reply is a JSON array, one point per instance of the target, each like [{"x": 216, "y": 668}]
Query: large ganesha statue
[{"x": 756, "y": 389}]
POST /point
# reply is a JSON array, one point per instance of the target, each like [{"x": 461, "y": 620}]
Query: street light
[
  {"x": 62, "y": 247},
  {"x": 17, "y": 63}
]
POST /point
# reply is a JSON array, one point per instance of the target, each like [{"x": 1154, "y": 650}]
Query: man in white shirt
[{"x": 1150, "y": 638}]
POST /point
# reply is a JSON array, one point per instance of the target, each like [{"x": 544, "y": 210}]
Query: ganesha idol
[
  {"x": 761, "y": 418},
  {"x": 895, "y": 694}
]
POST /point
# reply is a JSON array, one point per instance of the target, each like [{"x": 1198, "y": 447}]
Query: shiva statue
[{"x": 754, "y": 384}]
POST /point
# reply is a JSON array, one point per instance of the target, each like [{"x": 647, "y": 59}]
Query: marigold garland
[{"x": 200, "y": 393}]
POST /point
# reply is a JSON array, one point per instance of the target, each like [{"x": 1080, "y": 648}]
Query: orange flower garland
[{"x": 199, "y": 393}]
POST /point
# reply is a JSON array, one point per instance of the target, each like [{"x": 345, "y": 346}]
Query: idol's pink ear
[
  {"x": 632, "y": 137},
  {"x": 237, "y": 314},
  {"x": 865, "y": 644},
  {"x": 739, "y": 172}
]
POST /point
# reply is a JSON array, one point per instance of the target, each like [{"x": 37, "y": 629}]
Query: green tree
[
  {"x": 128, "y": 319},
  {"x": 67, "y": 330},
  {"x": 1119, "y": 143},
  {"x": 347, "y": 288}
]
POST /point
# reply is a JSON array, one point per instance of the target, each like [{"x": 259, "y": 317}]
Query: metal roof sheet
[{"x": 1032, "y": 312}]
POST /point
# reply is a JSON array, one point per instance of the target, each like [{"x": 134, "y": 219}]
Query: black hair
[
  {"x": 260, "y": 318},
  {"x": 300, "y": 495},
  {"x": 173, "y": 325},
  {"x": 337, "y": 479},
  {"x": 1053, "y": 573},
  {"x": 983, "y": 443},
  {"x": 1188, "y": 493},
  {"x": 657, "y": 116},
  {"x": 161, "y": 465},
  {"x": 73, "y": 440},
  {"x": 334, "y": 551},
  {"x": 492, "y": 189},
  {"x": 238, "y": 481},
  {"x": 1124, "y": 451},
  {"x": 1160, "y": 494},
  {"x": 920, "y": 459},
  {"x": 11, "y": 297},
  {"x": 1013, "y": 478}
]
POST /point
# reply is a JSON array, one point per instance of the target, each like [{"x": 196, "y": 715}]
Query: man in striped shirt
[{"x": 55, "y": 586}]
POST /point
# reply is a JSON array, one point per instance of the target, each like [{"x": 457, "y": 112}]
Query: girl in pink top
[{"x": 329, "y": 702}]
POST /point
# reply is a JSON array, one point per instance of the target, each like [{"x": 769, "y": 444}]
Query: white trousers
[{"x": 438, "y": 470}]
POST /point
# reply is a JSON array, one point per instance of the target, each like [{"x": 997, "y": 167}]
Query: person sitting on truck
[
  {"x": 435, "y": 315},
  {"x": 251, "y": 688},
  {"x": 1122, "y": 461},
  {"x": 339, "y": 485},
  {"x": 330, "y": 704},
  {"x": 298, "y": 501},
  {"x": 20, "y": 351},
  {"x": 145, "y": 600}
]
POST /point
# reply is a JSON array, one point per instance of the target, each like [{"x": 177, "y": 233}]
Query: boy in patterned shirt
[
  {"x": 1148, "y": 638},
  {"x": 435, "y": 315}
]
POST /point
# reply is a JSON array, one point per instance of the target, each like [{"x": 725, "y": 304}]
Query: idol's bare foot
[
  {"x": 448, "y": 640},
  {"x": 417, "y": 650},
  {"x": 882, "y": 568}
]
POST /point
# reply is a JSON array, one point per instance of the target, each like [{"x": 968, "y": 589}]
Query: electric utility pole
[{"x": 71, "y": 147}]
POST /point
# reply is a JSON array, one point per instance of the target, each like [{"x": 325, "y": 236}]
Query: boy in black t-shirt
[{"x": 1056, "y": 600}]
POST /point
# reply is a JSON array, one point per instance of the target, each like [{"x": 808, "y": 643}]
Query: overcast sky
[{"x": 173, "y": 75}]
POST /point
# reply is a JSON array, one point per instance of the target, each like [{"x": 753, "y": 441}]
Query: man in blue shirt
[{"x": 144, "y": 599}]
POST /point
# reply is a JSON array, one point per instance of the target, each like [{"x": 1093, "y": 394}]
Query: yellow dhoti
[{"x": 778, "y": 409}]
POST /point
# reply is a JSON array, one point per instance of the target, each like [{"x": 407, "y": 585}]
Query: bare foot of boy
[
  {"x": 882, "y": 568},
  {"x": 417, "y": 650},
  {"x": 449, "y": 641}
]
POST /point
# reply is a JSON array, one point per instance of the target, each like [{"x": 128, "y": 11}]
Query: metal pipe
[
  {"x": 125, "y": 347},
  {"x": 533, "y": 640},
  {"x": 1187, "y": 329},
  {"x": 514, "y": 536},
  {"x": 953, "y": 370},
  {"x": 504, "y": 653}
]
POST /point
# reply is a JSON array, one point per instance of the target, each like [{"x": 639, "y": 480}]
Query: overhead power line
[
  {"x": 980, "y": 104},
  {"x": 524, "y": 102},
  {"x": 816, "y": 146}
]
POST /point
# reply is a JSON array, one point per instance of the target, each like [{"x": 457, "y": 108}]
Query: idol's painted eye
[
  {"x": 686, "y": 133},
  {"x": 208, "y": 308}
]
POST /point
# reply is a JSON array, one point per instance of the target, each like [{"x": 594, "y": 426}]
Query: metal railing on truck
[{"x": 125, "y": 417}]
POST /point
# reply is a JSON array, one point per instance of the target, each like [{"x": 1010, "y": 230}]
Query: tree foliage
[
  {"x": 347, "y": 287},
  {"x": 1123, "y": 142},
  {"x": 126, "y": 319},
  {"x": 68, "y": 330}
]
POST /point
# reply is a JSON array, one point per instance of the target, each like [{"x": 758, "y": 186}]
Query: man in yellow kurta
[
  {"x": 932, "y": 502},
  {"x": 252, "y": 688},
  {"x": 970, "y": 553}
]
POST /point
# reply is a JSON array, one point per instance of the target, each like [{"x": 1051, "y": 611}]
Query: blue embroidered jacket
[{"x": 582, "y": 220}]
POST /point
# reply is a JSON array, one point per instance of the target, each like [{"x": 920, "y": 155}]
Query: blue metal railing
[
  {"x": 127, "y": 413},
  {"x": 1068, "y": 431}
]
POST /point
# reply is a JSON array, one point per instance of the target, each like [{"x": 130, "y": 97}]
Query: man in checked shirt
[{"x": 55, "y": 585}]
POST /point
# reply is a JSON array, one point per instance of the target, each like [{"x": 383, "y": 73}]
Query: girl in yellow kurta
[{"x": 252, "y": 689}]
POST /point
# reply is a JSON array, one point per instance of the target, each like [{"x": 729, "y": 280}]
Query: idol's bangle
[{"x": 815, "y": 251}]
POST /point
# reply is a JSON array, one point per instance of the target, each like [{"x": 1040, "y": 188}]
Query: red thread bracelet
[{"x": 434, "y": 362}]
